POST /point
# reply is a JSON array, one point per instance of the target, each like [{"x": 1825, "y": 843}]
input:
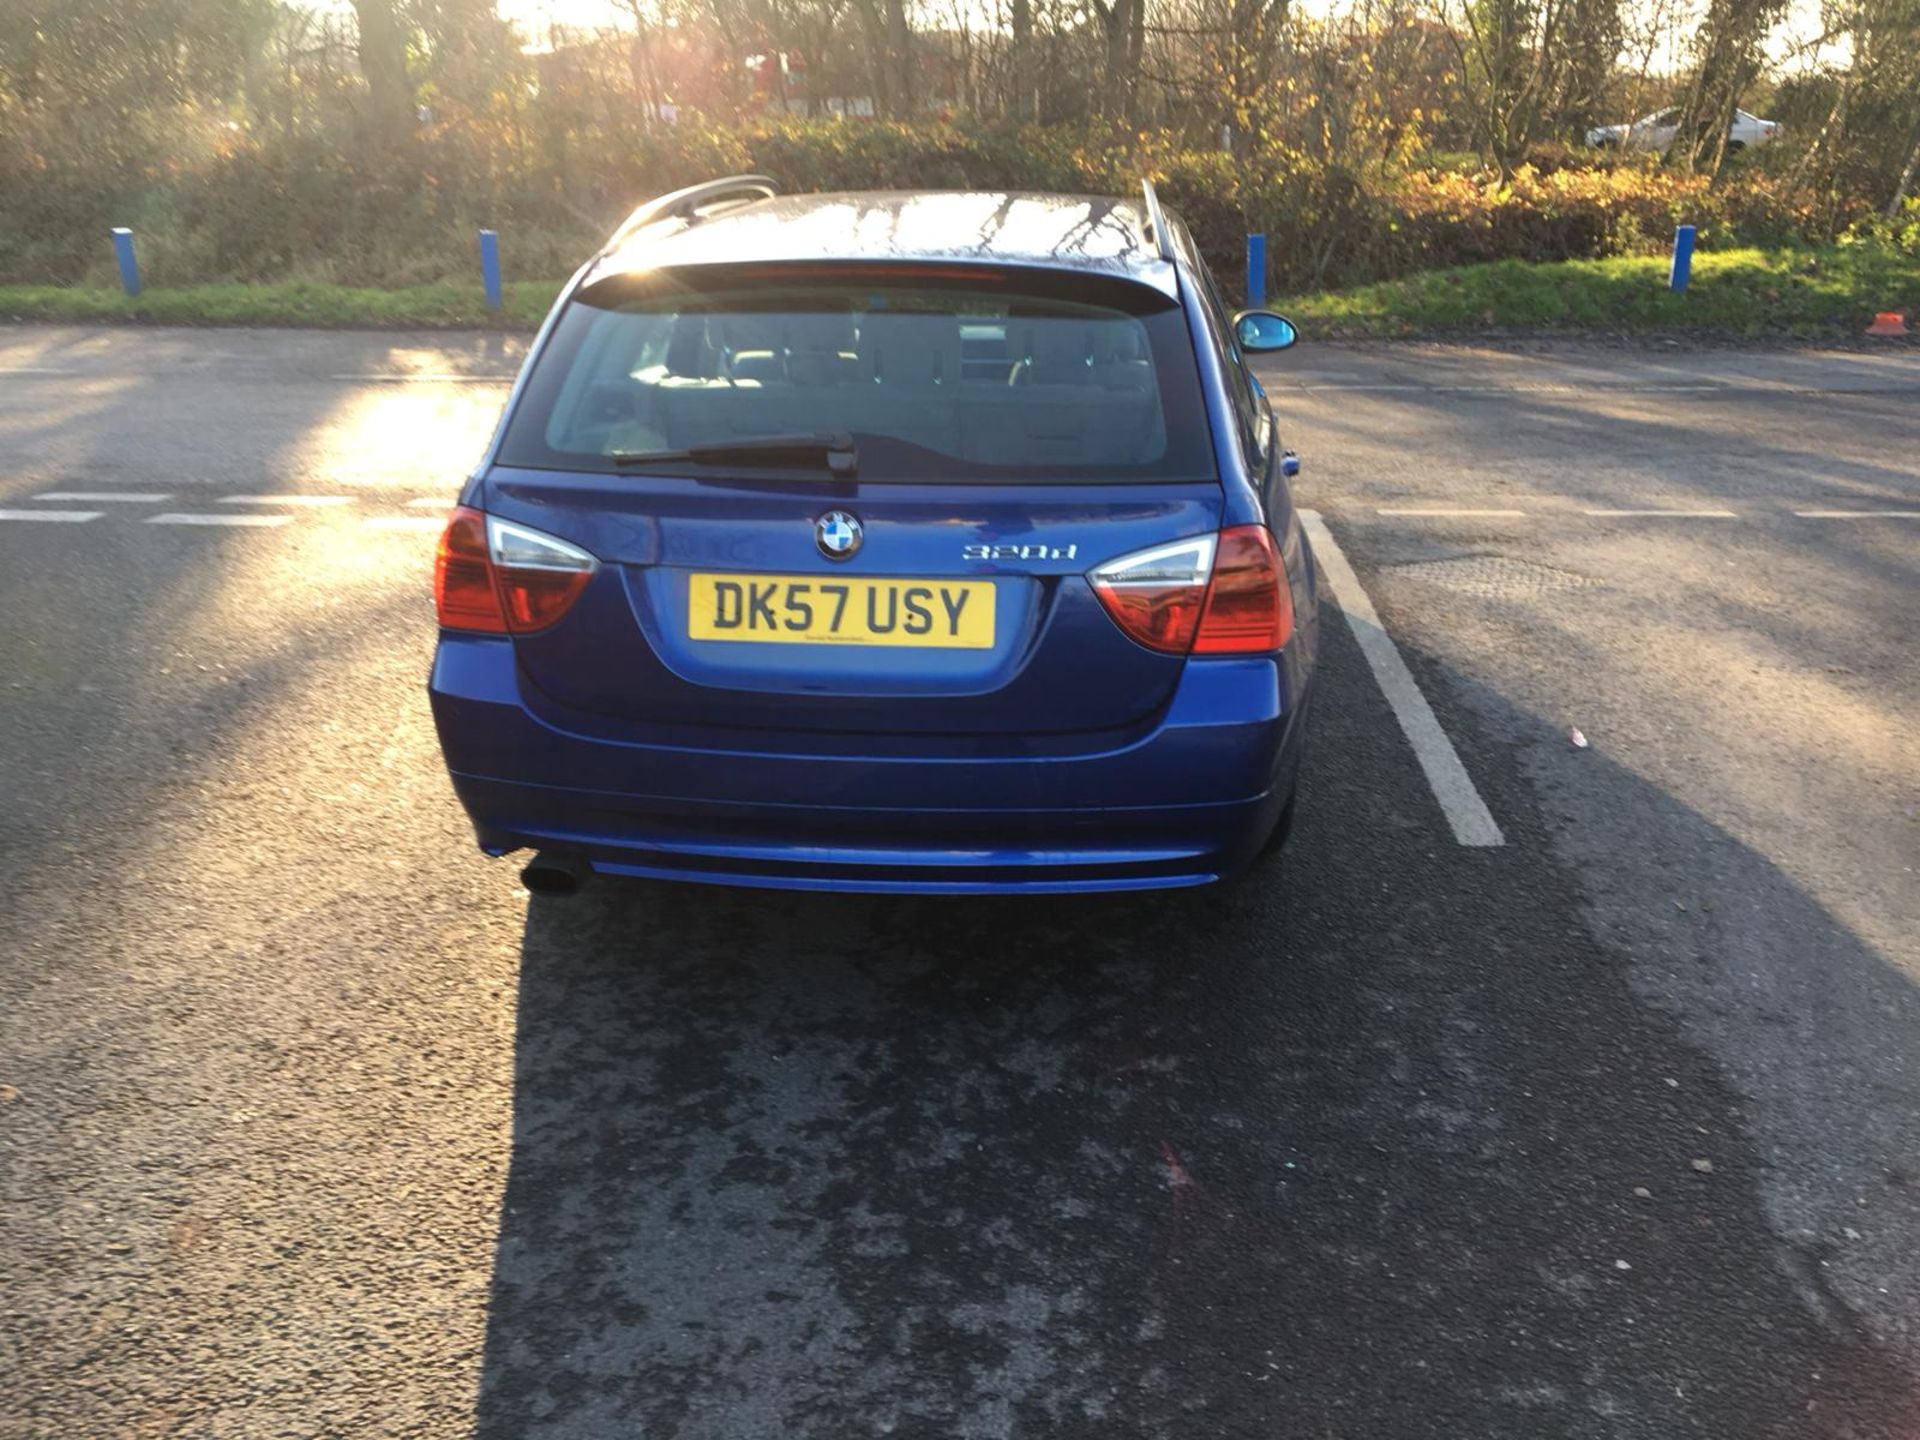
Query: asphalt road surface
[{"x": 312, "y": 1124}]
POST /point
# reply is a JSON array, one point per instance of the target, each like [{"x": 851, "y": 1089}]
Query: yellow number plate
[{"x": 936, "y": 614}]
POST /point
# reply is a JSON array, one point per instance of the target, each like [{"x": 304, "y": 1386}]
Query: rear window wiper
[{"x": 833, "y": 453}]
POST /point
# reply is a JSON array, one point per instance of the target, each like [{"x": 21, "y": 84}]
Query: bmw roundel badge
[{"x": 838, "y": 535}]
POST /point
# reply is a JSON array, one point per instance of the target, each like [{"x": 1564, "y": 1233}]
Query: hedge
[{"x": 231, "y": 206}]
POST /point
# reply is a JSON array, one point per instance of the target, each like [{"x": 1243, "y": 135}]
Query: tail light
[
  {"x": 1155, "y": 595},
  {"x": 1249, "y": 609},
  {"x": 1210, "y": 595},
  {"x": 463, "y": 590},
  {"x": 495, "y": 577}
]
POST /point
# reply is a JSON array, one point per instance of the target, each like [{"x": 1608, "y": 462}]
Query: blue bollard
[
  {"x": 129, "y": 267},
  {"x": 490, "y": 267},
  {"x": 1682, "y": 259},
  {"x": 1256, "y": 271}
]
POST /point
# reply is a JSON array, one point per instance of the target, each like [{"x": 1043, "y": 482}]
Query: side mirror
[{"x": 1260, "y": 331}]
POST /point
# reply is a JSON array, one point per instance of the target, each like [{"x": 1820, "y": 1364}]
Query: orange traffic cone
[{"x": 1888, "y": 322}]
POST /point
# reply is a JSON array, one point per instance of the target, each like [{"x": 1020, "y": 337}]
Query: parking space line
[
  {"x": 1664, "y": 514},
  {"x": 1466, "y": 812},
  {"x": 1598, "y": 389},
  {"x": 286, "y": 500},
  {"x": 422, "y": 523},
  {"x": 1858, "y": 514},
  {"x": 1315, "y": 385},
  {"x": 256, "y": 521},
  {"x": 430, "y": 502},
  {"x": 1456, "y": 514},
  {"x": 99, "y": 497},
  {"x": 58, "y": 517},
  {"x": 429, "y": 379}
]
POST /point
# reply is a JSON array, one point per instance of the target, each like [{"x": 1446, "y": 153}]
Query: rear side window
[
  {"x": 938, "y": 373},
  {"x": 1246, "y": 405}
]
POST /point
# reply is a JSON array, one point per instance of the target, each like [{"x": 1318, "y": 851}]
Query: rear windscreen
[{"x": 974, "y": 375}]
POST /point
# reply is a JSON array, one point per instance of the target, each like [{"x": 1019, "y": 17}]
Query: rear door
[{"x": 996, "y": 434}]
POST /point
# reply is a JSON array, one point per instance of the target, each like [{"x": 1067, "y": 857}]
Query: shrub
[
  {"x": 1897, "y": 234},
  {"x": 212, "y": 203}
]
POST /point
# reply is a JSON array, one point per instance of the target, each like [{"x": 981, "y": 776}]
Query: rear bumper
[{"x": 1186, "y": 803}]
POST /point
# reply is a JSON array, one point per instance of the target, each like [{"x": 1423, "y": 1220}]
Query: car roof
[{"x": 1087, "y": 233}]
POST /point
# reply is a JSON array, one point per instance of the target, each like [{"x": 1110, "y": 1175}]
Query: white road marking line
[
  {"x": 1549, "y": 387},
  {"x": 286, "y": 499},
  {"x": 1666, "y": 514},
  {"x": 261, "y": 521},
  {"x": 1466, "y": 812},
  {"x": 1487, "y": 514},
  {"x": 429, "y": 502},
  {"x": 97, "y": 497},
  {"x": 59, "y": 517},
  {"x": 403, "y": 522},
  {"x": 447, "y": 379},
  {"x": 1737, "y": 390},
  {"x": 1858, "y": 514},
  {"x": 32, "y": 370}
]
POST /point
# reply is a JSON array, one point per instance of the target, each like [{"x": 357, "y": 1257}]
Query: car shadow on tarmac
[{"x": 1347, "y": 1149}]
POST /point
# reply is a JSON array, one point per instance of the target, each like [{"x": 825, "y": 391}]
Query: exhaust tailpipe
[{"x": 554, "y": 874}]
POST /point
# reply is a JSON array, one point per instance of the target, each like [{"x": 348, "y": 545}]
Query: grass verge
[
  {"x": 1828, "y": 292},
  {"x": 444, "y": 305}
]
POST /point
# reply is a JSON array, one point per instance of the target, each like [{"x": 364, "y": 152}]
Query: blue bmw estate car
[{"x": 916, "y": 542}]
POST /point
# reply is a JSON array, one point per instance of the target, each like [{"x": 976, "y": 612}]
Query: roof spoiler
[
  {"x": 686, "y": 202},
  {"x": 1157, "y": 221}
]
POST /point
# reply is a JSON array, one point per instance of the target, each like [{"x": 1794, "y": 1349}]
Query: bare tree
[
  {"x": 1729, "y": 58},
  {"x": 1123, "y": 36},
  {"x": 383, "y": 62},
  {"x": 890, "y": 56}
]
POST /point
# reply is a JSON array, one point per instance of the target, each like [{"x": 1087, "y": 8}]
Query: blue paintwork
[
  {"x": 1066, "y": 758},
  {"x": 1256, "y": 271},
  {"x": 1059, "y": 660},
  {"x": 1185, "y": 798}
]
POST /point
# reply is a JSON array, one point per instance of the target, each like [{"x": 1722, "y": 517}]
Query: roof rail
[
  {"x": 686, "y": 202},
  {"x": 1157, "y": 221}
]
